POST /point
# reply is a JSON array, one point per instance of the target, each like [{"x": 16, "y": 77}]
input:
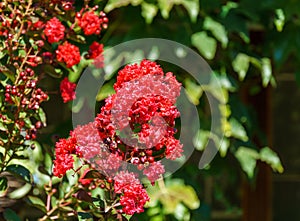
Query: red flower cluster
[
  {"x": 54, "y": 30},
  {"x": 154, "y": 171},
  {"x": 68, "y": 54},
  {"x": 95, "y": 52},
  {"x": 63, "y": 156},
  {"x": 146, "y": 97},
  {"x": 67, "y": 90},
  {"x": 133, "y": 195},
  {"x": 90, "y": 23}
]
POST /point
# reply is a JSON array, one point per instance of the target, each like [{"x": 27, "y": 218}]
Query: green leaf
[
  {"x": 193, "y": 8},
  {"x": 237, "y": 130},
  {"x": 247, "y": 158},
  {"x": 266, "y": 71},
  {"x": 105, "y": 91},
  {"x": 10, "y": 215},
  {"x": 206, "y": 45},
  {"x": 37, "y": 202},
  {"x": 113, "y": 4},
  {"x": 21, "y": 192},
  {"x": 149, "y": 11},
  {"x": 20, "y": 171},
  {"x": 270, "y": 157},
  {"x": 3, "y": 185},
  {"x": 241, "y": 65},
  {"x": 177, "y": 194},
  {"x": 42, "y": 116},
  {"x": 165, "y": 7},
  {"x": 85, "y": 216},
  {"x": 217, "y": 30},
  {"x": 193, "y": 91},
  {"x": 200, "y": 140},
  {"x": 279, "y": 20}
]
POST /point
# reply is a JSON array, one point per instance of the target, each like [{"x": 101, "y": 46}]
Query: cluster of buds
[{"x": 24, "y": 92}]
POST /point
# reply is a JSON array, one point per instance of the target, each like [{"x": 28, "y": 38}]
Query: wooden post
[{"x": 257, "y": 197}]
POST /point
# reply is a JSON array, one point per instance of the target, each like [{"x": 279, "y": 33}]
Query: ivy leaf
[
  {"x": 241, "y": 65},
  {"x": 193, "y": 8},
  {"x": 10, "y": 215},
  {"x": 165, "y": 8},
  {"x": 112, "y": 4},
  {"x": 20, "y": 171},
  {"x": 193, "y": 91},
  {"x": 270, "y": 157},
  {"x": 206, "y": 45},
  {"x": 266, "y": 71},
  {"x": 200, "y": 140},
  {"x": 149, "y": 11},
  {"x": 217, "y": 30},
  {"x": 237, "y": 130},
  {"x": 247, "y": 158}
]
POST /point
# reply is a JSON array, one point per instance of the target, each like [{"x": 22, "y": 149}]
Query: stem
[{"x": 59, "y": 204}]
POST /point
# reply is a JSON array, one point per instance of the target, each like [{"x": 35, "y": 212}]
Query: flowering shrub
[{"x": 101, "y": 147}]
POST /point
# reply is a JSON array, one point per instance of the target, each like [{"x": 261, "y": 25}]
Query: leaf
[
  {"x": 21, "y": 192},
  {"x": 105, "y": 91},
  {"x": 165, "y": 8},
  {"x": 200, "y": 140},
  {"x": 247, "y": 158},
  {"x": 266, "y": 71},
  {"x": 93, "y": 174},
  {"x": 193, "y": 8},
  {"x": 177, "y": 194},
  {"x": 83, "y": 196},
  {"x": 237, "y": 130},
  {"x": 279, "y": 21},
  {"x": 42, "y": 116},
  {"x": 241, "y": 65},
  {"x": 217, "y": 30},
  {"x": 193, "y": 91},
  {"x": 3, "y": 185},
  {"x": 20, "y": 171},
  {"x": 50, "y": 70},
  {"x": 149, "y": 11},
  {"x": 85, "y": 216},
  {"x": 113, "y": 4},
  {"x": 206, "y": 45},
  {"x": 270, "y": 157},
  {"x": 10, "y": 215},
  {"x": 37, "y": 202}
]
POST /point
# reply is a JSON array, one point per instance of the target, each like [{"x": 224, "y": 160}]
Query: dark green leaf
[
  {"x": 10, "y": 215},
  {"x": 37, "y": 202},
  {"x": 85, "y": 216},
  {"x": 20, "y": 171}
]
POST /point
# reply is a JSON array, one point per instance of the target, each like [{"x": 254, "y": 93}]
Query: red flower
[
  {"x": 95, "y": 52},
  {"x": 136, "y": 71},
  {"x": 67, "y": 90},
  {"x": 54, "y": 30},
  {"x": 63, "y": 156},
  {"x": 90, "y": 23},
  {"x": 154, "y": 171},
  {"x": 133, "y": 195},
  {"x": 68, "y": 53}
]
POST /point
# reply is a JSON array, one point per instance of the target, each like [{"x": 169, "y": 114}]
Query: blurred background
[{"x": 253, "y": 48}]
